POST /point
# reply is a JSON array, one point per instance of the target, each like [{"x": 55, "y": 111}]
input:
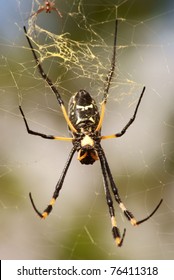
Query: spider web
[{"x": 75, "y": 51}]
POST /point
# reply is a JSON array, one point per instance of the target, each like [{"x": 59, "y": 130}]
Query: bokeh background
[{"x": 142, "y": 161}]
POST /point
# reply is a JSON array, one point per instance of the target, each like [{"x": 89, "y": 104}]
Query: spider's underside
[{"x": 85, "y": 122}]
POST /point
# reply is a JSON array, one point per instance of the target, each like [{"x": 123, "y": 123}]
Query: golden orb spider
[{"x": 85, "y": 122}]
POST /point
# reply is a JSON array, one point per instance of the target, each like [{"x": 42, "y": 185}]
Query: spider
[
  {"x": 47, "y": 7},
  {"x": 84, "y": 123}
]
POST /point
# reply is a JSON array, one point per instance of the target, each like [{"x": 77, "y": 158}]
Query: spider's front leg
[
  {"x": 122, "y": 132},
  {"x": 32, "y": 132}
]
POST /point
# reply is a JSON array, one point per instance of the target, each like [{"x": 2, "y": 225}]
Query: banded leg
[
  {"x": 49, "y": 82},
  {"x": 42, "y": 134},
  {"x": 115, "y": 230},
  {"x": 126, "y": 212},
  {"x": 49, "y": 208}
]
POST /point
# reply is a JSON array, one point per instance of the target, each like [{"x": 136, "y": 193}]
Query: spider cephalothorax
[{"x": 85, "y": 123}]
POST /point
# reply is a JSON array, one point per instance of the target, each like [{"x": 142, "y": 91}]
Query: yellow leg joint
[
  {"x": 133, "y": 222},
  {"x": 44, "y": 215},
  {"x": 118, "y": 241},
  {"x": 48, "y": 209},
  {"x": 52, "y": 201},
  {"x": 113, "y": 221}
]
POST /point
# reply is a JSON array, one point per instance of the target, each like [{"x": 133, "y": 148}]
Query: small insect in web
[
  {"x": 47, "y": 7},
  {"x": 85, "y": 122}
]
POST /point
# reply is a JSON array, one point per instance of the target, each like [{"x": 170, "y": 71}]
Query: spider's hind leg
[
  {"x": 126, "y": 212},
  {"x": 115, "y": 230}
]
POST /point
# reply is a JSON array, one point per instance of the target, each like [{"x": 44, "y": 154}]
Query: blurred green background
[{"x": 142, "y": 161}]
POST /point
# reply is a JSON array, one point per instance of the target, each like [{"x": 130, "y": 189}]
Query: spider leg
[
  {"x": 112, "y": 69},
  {"x": 126, "y": 212},
  {"x": 57, "y": 11},
  {"x": 108, "y": 80},
  {"x": 42, "y": 134},
  {"x": 115, "y": 230},
  {"x": 49, "y": 208},
  {"x": 119, "y": 134},
  {"x": 36, "y": 13},
  {"x": 49, "y": 82}
]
